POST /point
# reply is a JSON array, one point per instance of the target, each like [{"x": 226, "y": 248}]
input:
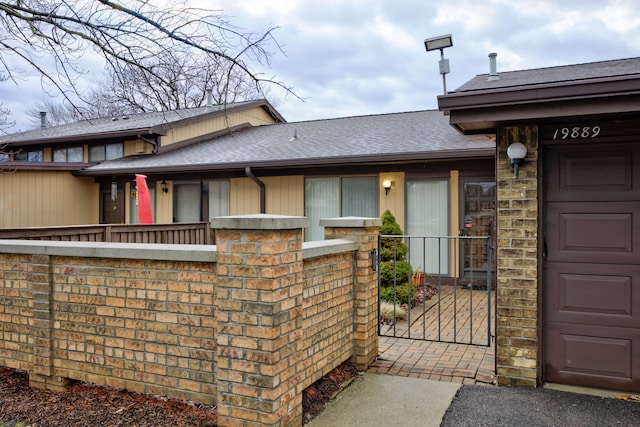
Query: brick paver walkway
[{"x": 441, "y": 361}]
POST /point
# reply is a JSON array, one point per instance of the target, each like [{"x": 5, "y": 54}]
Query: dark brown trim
[
  {"x": 477, "y": 112},
  {"x": 556, "y": 91},
  {"x": 378, "y": 159},
  {"x": 44, "y": 166}
]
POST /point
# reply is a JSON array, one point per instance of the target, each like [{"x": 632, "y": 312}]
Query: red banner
[{"x": 144, "y": 200}]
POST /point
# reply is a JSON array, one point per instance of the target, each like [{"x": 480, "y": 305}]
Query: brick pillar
[
  {"x": 41, "y": 373},
  {"x": 365, "y": 232},
  {"x": 517, "y": 309},
  {"x": 259, "y": 313}
]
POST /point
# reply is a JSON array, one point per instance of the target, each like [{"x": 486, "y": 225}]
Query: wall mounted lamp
[
  {"x": 387, "y": 184},
  {"x": 163, "y": 187},
  {"x": 516, "y": 153}
]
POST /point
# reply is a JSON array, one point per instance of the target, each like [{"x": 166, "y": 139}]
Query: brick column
[
  {"x": 259, "y": 313},
  {"x": 364, "y": 231},
  {"x": 41, "y": 373},
  {"x": 517, "y": 309}
]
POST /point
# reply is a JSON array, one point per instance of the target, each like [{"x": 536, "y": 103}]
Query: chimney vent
[
  {"x": 493, "y": 72},
  {"x": 209, "y": 97},
  {"x": 43, "y": 119}
]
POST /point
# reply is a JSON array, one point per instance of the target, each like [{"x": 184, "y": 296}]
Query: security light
[{"x": 440, "y": 42}]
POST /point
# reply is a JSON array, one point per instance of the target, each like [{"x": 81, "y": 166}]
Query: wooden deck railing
[{"x": 197, "y": 233}]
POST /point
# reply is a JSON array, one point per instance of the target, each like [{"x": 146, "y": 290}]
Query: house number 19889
[{"x": 577, "y": 132}]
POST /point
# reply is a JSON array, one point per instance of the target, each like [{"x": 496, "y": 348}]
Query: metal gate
[{"x": 435, "y": 288}]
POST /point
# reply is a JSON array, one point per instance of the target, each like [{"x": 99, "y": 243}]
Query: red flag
[{"x": 144, "y": 200}]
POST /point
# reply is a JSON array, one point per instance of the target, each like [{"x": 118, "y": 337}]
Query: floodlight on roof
[{"x": 440, "y": 42}]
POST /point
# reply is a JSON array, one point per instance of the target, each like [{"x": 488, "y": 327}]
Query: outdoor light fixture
[
  {"x": 387, "y": 184},
  {"x": 163, "y": 186},
  {"x": 114, "y": 191},
  {"x": 516, "y": 153},
  {"x": 440, "y": 42}
]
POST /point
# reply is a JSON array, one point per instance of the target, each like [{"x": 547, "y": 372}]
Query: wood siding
[
  {"x": 47, "y": 198},
  {"x": 284, "y": 196},
  {"x": 256, "y": 116}
]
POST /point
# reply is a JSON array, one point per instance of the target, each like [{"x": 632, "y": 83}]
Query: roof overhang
[
  {"x": 337, "y": 161},
  {"x": 482, "y": 111}
]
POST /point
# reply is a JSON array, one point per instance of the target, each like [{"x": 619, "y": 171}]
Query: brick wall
[
  {"x": 246, "y": 325},
  {"x": 328, "y": 314},
  {"x": 517, "y": 344}
]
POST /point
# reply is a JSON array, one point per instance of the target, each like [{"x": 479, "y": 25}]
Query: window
[
  {"x": 195, "y": 201},
  {"x": 29, "y": 156},
  {"x": 334, "y": 197},
  {"x": 428, "y": 215},
  {"x": 68, "y": 155},
  {"x": 218, "y": 198},
  {"x": 100, "y": 153}
]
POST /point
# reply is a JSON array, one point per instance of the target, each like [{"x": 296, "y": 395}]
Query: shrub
[
  {"x": 401, "y": 293},
  {"x": 392, "y": 251},
  {"x": 401, "y": 273}
]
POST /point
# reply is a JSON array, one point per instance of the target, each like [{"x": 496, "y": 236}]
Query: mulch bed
[{"x": 91, "y": 405}]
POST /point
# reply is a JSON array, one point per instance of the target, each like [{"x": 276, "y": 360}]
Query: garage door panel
[
  {"x": 593, "y": 232},
  {"x": 593, "y": 294},
  {"x": 591, "y": 281},
  {"x": 593, "y": 355},
  {"x": 598, "y": 172}
]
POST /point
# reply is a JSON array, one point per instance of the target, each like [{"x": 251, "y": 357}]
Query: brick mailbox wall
[{"x": 247, "y": 324}]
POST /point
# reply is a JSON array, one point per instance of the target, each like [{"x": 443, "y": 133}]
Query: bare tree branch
[{"x": 52, "y": 38}]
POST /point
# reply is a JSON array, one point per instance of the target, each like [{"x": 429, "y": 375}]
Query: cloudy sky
[{"x": 354, "y": 57}]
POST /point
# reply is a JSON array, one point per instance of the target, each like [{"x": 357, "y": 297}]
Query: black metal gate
[{"x": 435, "y": 288}]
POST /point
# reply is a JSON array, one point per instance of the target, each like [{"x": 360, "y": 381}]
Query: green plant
[
  {"x": 401, "y": 295},
  {"x": 390, "y": 270},
  {"x": 394, "y": 269}
]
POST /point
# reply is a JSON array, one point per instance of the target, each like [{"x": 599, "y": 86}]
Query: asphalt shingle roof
[
  {"x": 560, "y": 74},
  {"x": 407, "y": 136},
  {"x": 142, "y": 123}
]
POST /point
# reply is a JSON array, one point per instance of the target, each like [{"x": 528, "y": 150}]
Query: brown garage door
[{"x": 592, "y": 265}]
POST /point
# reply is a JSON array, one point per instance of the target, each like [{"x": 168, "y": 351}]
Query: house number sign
[{"x": 576, "y": 132}]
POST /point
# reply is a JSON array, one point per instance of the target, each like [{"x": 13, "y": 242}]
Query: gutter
[
  {"x": 154, "y": 144},
  {"x": 255, "y": 179},
  {"x": 338, "y": 161}
]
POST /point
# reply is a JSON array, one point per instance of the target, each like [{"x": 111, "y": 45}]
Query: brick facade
[
  {"x": 246, "y": 325},
  {"x": 517, "y": 346}
]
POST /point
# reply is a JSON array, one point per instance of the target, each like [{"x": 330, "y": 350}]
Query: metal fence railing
[{"x": 435, "y": 288}]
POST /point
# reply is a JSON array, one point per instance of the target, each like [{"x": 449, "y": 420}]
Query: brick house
[{"x": 568, "y": 308}]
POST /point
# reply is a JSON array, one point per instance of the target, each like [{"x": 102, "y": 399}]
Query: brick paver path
[{"x": 441, "y": 361}]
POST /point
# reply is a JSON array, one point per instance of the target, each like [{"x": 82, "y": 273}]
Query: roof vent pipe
[
  {"x": 209, "y": 97},
  {"x": 43, "y": 119},
  {"x": 493, "y": 67}
]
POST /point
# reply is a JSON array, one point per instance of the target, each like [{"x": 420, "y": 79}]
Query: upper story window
[
  {"x": 99, "y": 153},
  {"x": 29, "y": 156},
  {"x": 68, "y": 155}
]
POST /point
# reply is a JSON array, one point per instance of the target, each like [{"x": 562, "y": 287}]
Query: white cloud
[{"x": 350, "y": 57}]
